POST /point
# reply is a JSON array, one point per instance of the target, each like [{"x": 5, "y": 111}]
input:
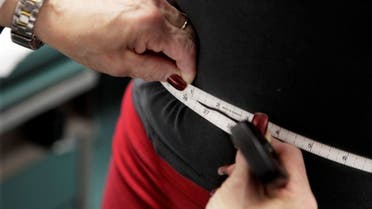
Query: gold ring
[{"x": 184, "y": 25}]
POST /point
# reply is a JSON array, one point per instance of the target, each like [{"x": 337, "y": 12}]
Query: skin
[
  {"x": 240, "y": 191},
  {"x": 136, "y": 38}
]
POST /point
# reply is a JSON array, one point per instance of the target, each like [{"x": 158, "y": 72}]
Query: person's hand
[
  {"x": 240, "y": 191},
  {"x": 136, "y": 38}
]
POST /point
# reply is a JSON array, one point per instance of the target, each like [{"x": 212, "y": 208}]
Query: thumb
[
  {"x": 242, "y": 175},
  {"x": 241, "y": 168},
  {"x": 292, "y": 159}
]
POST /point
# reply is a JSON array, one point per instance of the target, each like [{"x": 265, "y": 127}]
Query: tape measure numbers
[{"x": 215, "y": 111}]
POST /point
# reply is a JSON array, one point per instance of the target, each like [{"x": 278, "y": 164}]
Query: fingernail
[
  {"x": 221, "y": 171},
  {"x": 177, "y": 82},
  {"x": 260, "y": 120}
]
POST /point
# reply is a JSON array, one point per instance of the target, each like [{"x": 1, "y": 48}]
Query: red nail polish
[
  {"x": 177, "y": 82},
  {"x": 260, "y": 120}
]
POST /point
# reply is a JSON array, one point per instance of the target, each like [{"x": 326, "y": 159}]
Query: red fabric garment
[{"x": 138, "y": 178}]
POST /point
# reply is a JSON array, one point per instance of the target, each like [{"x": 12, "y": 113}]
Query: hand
[
  {"x": 240, "y": 191},
  {"x": 137, "y": 38}
]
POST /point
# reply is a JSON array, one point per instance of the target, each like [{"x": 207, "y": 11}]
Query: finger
[
  {"x": 241, "y": 167},
  {"x": 175, "y": 44},
  {"x": 242, "y": 174},
  {"x": 149, "y": 66},
  {"x": 290, "y": 156},
  {"x": 179, "y": 43},
  {"x": 180, "y": 46},
  {"x": 260, "y": 120},
  {"x": 172, "y": 14},
  {"x": 292, "y": 159},
  {"x": 226, "y": 170}
]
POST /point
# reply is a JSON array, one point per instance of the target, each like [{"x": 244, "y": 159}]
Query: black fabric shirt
[{"x": 306, "y": 64}]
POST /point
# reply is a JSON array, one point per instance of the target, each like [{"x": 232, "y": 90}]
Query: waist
[{"x": 148, "y": 176}]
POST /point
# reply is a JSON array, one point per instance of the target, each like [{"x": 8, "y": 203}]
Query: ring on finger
[{"x": 185, "y": 23}]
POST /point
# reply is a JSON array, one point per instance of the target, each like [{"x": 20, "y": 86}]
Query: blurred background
[{"x": 57, "y": 119}]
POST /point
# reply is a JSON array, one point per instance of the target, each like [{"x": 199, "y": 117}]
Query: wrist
[
  {"x": 50, "y": 26},
  {"x": 42, "y": 25}
]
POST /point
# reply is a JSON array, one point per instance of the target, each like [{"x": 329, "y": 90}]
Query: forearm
[{"x": 6, "y": 12}]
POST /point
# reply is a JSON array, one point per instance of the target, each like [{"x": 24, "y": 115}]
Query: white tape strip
[{"x": 191, "y": 97}]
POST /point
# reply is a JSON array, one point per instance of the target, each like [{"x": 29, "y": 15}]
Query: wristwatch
[{"x": 23, "y": 23}]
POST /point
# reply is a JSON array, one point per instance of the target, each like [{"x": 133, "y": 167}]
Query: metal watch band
[
  {"x": 1, "y": 3},
  {"x": 23, "y": 23}
]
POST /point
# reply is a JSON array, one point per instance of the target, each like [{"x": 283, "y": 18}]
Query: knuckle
[
  {"x": 152, "y": 15},
  {"x": 186, "y": 44},
  {"x": 288, "y": 149},
  {"x": 143, "y": 15},
  {"x": 312, "y": 204},
  {"x": 294, "y": 150},
  {"x": 315, "y": 204}
]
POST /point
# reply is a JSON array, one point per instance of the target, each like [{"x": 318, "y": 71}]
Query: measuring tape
[{"x": 209, "y": 107}]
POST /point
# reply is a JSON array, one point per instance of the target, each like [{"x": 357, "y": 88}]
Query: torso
[{"x": 307, "y": 66}]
